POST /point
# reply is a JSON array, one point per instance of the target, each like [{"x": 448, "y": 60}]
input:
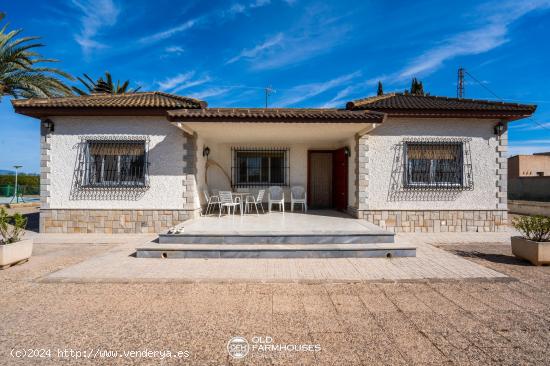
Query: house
[
  {"x": 140, "y": 162},
  {"x": 536, "y": 165},
  {"x": 529, "y": 178}
]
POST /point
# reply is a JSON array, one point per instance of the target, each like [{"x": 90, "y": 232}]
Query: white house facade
[{"x": 141, "y": 162}]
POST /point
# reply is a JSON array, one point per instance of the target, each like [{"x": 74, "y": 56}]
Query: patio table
[{"x": 242, "y": 197}]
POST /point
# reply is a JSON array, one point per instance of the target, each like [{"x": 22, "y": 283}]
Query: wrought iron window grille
[
  {"x": 437, "y": 164},
  {"x": 257, "y": 167},
  {"x": 113, "y": 162}
]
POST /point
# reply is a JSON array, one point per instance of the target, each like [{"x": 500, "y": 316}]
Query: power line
[
  {"x": 499, "y": 98},
  {"x": 485, "y": 87}
]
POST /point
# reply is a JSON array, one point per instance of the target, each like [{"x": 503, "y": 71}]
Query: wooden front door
[
  {"x": 340, "y": 179},
  {"x": 320, "y": 179}
]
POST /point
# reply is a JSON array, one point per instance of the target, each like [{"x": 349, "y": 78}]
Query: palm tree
[
  {"x": 20, "y": 73},
  {"x": 101, "y": 85}
]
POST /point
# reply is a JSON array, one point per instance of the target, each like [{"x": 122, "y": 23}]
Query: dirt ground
[
  {"x": 480, "y": 322},
  {"x": 429, "y": 322}
]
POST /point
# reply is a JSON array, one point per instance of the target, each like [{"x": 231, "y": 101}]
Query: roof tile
[
  {"x": 397, "y": 103},
  {"x": 276, "y": 114},
  {"x": 129, "y": 100}
]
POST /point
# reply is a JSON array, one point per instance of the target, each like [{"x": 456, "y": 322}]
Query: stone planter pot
[
  {"x": 14, "y": 253},
  {"x": 535, "y": 252}
]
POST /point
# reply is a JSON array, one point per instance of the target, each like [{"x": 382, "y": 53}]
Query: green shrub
[
  {"x": 11, "y": 227},
  {"x": 536, "y": 228}
]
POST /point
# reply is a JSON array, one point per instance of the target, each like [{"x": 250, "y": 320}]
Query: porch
[{"x": 253, "y": 149}]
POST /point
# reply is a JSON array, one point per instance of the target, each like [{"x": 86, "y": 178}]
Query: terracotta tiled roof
[
  {"x": 407, "y": 104},
  {"x": 275, "y": 115},
  {"x": 143, "y": 100}
]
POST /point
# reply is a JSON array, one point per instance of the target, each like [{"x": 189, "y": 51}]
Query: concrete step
[
  {"x": 385, "y": 250},
  {"x": 280, "y": 238}
]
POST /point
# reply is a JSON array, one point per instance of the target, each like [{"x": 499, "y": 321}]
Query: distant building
[
  {"x": 529, "y": 177},
  {"x": 536, "y": 165}
]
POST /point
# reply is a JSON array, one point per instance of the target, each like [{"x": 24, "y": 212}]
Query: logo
[{"x": 238, "y": 347}]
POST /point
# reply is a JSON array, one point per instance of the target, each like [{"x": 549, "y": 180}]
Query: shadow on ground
[{"x": 491, "y": 257}]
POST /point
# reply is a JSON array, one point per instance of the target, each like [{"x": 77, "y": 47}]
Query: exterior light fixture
[
  {"x": 499, "y": 128},
  {"x": 206, "y": 151},
  {"x": 347, "y": 151},
  {"x": 48, "y": 125}
]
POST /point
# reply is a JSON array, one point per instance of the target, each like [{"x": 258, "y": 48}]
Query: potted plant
[
  {"x": 534, "y": 245},
  {"x": 13, "y": 250}
]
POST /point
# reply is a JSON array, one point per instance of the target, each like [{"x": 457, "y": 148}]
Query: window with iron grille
[
  {"x": 115, "y": 163},
  {"x": 259, "y": 167},
  {"x": 434, "y": 164}
]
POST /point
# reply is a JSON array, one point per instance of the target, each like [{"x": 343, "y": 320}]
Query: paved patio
[
  {"x": 120, "y": 265},
  {"x": 312, "y": 222}
]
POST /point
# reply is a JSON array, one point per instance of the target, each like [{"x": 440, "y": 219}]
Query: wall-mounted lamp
[
  {"x": 499, "y": 128},
  {"x": 48, "y": 125},
  {"x": 347, "y": 151},
  {"x": 206, "y": 151}
]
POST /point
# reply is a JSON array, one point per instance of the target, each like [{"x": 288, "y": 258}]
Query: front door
[
  {"x": 340, "y": 179},
  {"x": 320, "y": 179}
]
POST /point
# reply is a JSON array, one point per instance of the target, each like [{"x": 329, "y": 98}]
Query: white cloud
[
  {"x": 210, "y": 92},
  {"x": 254, "y": 52},
  {"x": 531, "y": 125},
  {"x": 181, "y": 81},
  {"x": 365, "y": 88},
  {"x": 96, "y": 15},
  {"x": 211, "y": 17},
  {"x": 497, "y": 18},
  {"x": 174, "y": 81},
  {"x": 305, "y": 91},
  {"x": 318, "y": 32},
  {"x": 174, "y": 50},
  {"x": 171, "y": 32},
  {"x": 190, "y": 83},
  {"x": 528, "y": 147}
]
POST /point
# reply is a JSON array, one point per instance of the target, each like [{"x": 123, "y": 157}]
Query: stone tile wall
[
  {"x": 45, "y": 168},
  {"x": 502, "y": 169},
  {"x": 437, "y": 221},
  {"x": 110, "y": 221}
]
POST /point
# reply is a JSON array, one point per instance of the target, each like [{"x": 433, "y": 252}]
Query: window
[
  {"x": 258, "y": 167},
  {"x": 434, "y": 164},
  {"x": 115, "y": 163}
]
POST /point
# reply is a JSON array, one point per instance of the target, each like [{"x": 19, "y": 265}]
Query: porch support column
[
  {"x": 361, "y": 172},
  {"x": 190, "y": 193}
]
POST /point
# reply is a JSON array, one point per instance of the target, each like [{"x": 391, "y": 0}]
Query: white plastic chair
[
  {"x": 211, "y": 201},
  {"x": 277, "y": 197},
  {"x": 226, "y": 200},
  {"x": 250, "y": 200},
  {"x": 298, "y": 196}
]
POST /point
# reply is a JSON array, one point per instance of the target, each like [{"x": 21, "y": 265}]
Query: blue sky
[{"x": 314, "y": 54}]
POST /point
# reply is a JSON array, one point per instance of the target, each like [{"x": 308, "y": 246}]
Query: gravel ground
[{"x": 453, "y": 322}]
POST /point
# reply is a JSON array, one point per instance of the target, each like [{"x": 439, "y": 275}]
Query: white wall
[
  {"x": 165, "y": 155},
  {"x": 384, "y": 138}
]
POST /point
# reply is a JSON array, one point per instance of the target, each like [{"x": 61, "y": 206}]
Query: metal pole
[
  {"x": 15, "y": 190},
  {"x": 460, "y": 83}
]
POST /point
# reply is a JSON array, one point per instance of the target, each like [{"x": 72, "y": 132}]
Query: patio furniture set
[{"x": 244, "y": 201}]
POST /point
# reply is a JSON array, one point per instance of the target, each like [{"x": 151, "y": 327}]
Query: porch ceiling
[{"x": 274, "y": 132}]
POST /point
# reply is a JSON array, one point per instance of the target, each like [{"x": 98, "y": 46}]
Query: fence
[
  {"x": 8, "y": 190},
  {"x": 529, "y": 189}
]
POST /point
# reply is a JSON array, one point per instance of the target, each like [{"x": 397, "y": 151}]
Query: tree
[
  {"x": 105, "y": 86},
  {"x": 416, "y": 87},
  {"x": 380, "y": 90},
  {"x": 22, "y": 73}
]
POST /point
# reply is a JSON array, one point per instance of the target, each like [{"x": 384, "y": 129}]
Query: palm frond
[{"x": 20, "y": 72}]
